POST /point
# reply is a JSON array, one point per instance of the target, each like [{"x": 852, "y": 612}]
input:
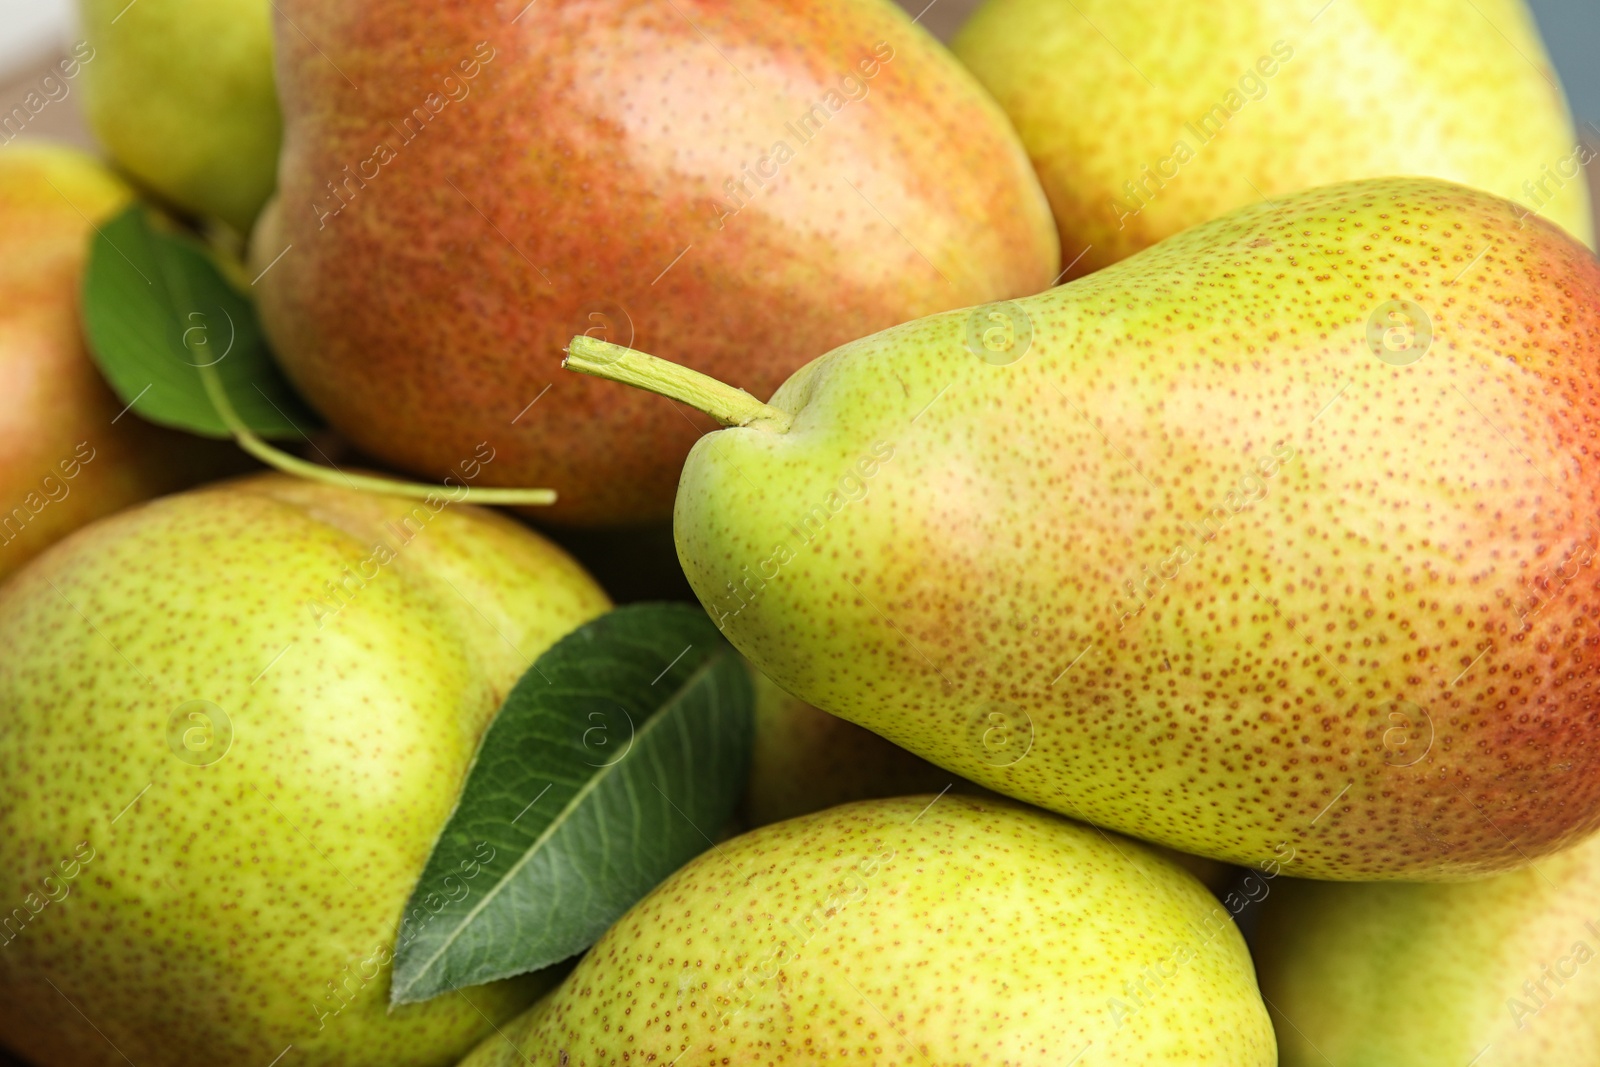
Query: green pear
[
  {"x": 236, "y": 721},
  {"x": 1496, "y": 973},
  {"x": 742, "y": 185},
  {"x": 1146, "y": 117},
  {"x": 180, "y": 92},
  {"x": 1264, "y": 542},
  {"x": 918, "y": 930},
  {"x": 69, "y": 451}
]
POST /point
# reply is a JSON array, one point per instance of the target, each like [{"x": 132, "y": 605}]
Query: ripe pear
[
  {"x": 805, "y": 760},
  {"x": 917, "y": 930},
  {"x": 741, "y": 185},
  {"x": 1269, "y": 539},
  {"x": 180, "y": 92},
  {"x": 69, "y": 452},
  {"x": 1496, "y": 973},
  {"x": 1146, "y": 117},
  {"x": 236, "y": 721}
]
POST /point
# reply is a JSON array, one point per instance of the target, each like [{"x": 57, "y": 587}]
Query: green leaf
[
  {"x": 613, "y": 762},
  {"x": 156, "y": 308}
]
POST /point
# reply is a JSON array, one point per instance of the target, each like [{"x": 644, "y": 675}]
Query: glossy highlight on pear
[{"x": 740, "y": 187}]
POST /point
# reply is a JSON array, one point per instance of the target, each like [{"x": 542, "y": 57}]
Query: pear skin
[
  {"x": 742, "y": 186},
  {"x": 1268, "y": 540},
  {"x": 210, "y": 834},
  {"x": 180, "y": 92},
  {"x": 69, "y": 452},
  {"x": 909, "y": 931},
  {"x": 805, "y": 760},
  {"x": 1146, "y": 117},
  {"x": 1497, "y": 973}
]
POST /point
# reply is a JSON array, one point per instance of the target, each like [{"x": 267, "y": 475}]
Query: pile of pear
[{"x": 1262, "y": 542}]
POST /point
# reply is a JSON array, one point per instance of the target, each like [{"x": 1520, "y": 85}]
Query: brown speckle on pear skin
[
  {"x": 1364, "y": 540},
  {"x": 909, "y": 931},
  {"x": 243, "y": 901}
]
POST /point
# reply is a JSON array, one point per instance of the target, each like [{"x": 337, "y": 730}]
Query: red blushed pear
[
  {"x": 1273, "y": 543},
  {"x": 69, "y": 454},
  {"x": 743, "y": 186}
]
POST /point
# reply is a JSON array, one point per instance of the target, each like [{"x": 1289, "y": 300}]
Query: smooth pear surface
[
  {"x": 181, "y": 93},
  {"x": 1271, "y": 539},
  {"x": 1146, "y": 117},
  {"x": 909, "y": 931},
  {"x": 69, "y": 452},
  {"x": 1497, "y": 973},
  {"x": 740, "y": 186},
  {"x": 209, "y": 834}
]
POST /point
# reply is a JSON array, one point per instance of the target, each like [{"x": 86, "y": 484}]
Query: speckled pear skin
[
  {"x": 223, "y": 901},
  {"x": 892, "y": 933},
  {"x": 181, "y": 93},
  {"x": 1177, "y": 569},
  {"x": 1110, "y": 97},
  {"x": 66, "y": 458},
  {"x": 596, "y": 143},
  {"x": 1435, "y": 975},
  {"x": 805, "y": 760}
]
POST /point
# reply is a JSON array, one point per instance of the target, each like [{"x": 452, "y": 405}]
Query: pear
[
  {"x": 744, "y": 186},
  {"x": 236, "y": 721},
  {"x": 1146, "y": 117},
  {"x": 1496, "y": 973},
  {"x": 805, "y": 760},
  {"x": 180, "y": 92},
  {"x": 917, "y": 930},
  {"x": 69, "y": 451},
  {"x": 1265, "y": 542}
]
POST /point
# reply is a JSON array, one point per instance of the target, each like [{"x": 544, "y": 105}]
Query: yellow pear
[
  {"x": 912, "y": 931},
  {"x": 69, "y": 450},
  {"x": 180, "y": 92},
  {"x": 1146, "y": 117},
  {"x": 236, "y": 720},
  {"x": 1496, "y": 973}
]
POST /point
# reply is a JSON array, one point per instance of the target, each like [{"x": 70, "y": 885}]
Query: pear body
[
  {"x": 209, "y": 837},
  {"x": 180, "y": 92},
  {"x": 1503, "y": 969},
  {"x": 1269, "y": 540},
  {"x": 1147, "y": 117},
  {"x": 904, "y": 931},
  {"x": 742, "y": 186},
  {"x": 69, "y": 454}
]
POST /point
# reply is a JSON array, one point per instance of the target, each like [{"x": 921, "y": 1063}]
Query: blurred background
[{"x": 34, "y": 31}]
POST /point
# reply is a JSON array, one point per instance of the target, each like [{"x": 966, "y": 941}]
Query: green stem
[
  {"x": 283, "y": 461},
  {"x": 729, "y": 406}
]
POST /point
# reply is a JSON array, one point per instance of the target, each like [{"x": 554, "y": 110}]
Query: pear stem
[
  {"x": 283, "y": 461},
  {"x": 729, "y": 406}
]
